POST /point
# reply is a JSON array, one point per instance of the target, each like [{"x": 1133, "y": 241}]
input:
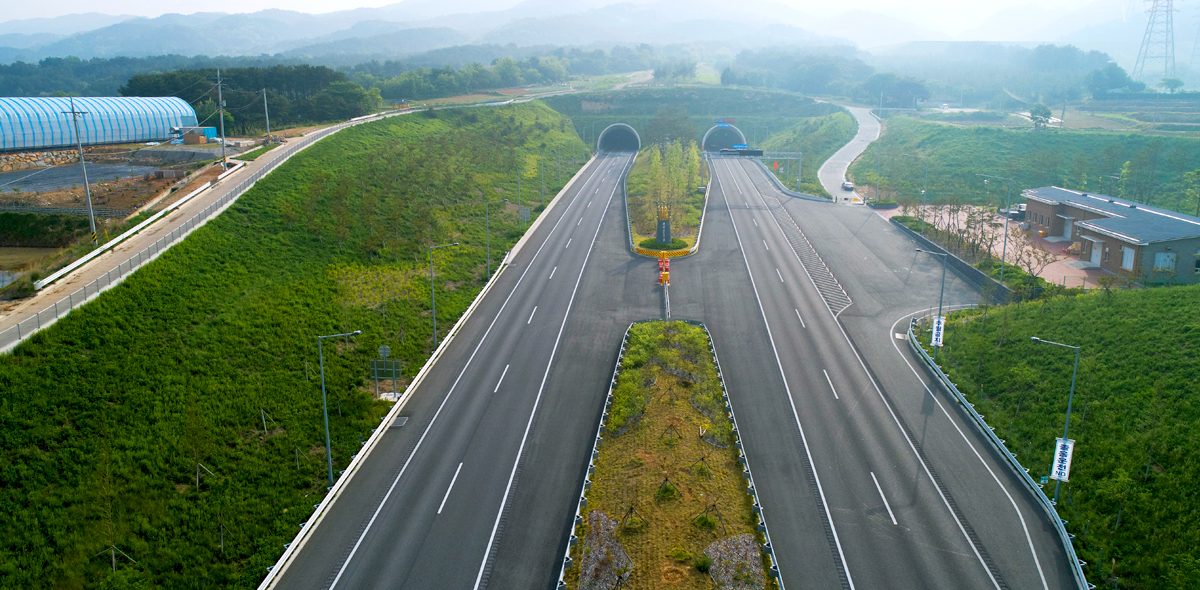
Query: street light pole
[
  {"x": 941, "y": 297},
  {"x": 488, "y": 230},
  {"x": 1007, "y": 211},
  {"x": 432, "y": 296},
  {"x": 1070, "y": 398},
  {"x": 324, "y": 404},
  {"x": 926, "y": 158}
]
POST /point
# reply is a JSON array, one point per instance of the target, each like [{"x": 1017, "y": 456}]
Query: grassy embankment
[
  {"x": 671, "y": 175},
  {"x": 817, "y": 138},
  {"x": 1135, "y": 475},
  {"x": 106, "y": 414},
  {"x": 1151, "y": 168},
  {"x": 654, "y": 460}
]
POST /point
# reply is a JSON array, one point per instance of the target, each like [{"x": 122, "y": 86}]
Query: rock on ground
[
  {"x": 737, "y": 563},
  {"x": 605, "y": 565}
]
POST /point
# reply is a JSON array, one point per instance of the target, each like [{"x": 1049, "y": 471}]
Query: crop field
[
  {"x": 174, "y": 423},
  {"x": 667, "y": 470},
  {"x": 1132, "y": 498}
]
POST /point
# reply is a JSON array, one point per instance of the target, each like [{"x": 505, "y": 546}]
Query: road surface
[{"x": 833, "y": 172}]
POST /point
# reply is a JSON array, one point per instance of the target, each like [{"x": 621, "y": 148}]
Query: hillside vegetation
[
  {"x": 1150, "y": 168},
  {"x": 207, "y": 356},
  {"x": 1135, "y": 477},
  {"x": 817, "y": 138}
]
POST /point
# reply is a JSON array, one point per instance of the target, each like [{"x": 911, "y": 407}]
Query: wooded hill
[
  {"x": 107, "y": 414},
  {"x": 1135, "y": 477}
]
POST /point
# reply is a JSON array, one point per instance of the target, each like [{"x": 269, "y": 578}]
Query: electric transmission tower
[{"x": 1158, "y": 44}]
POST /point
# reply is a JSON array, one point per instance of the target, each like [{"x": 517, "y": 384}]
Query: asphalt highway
[
  {"x": 901, "y": 487},
  {"x": 429, "y": 508}
]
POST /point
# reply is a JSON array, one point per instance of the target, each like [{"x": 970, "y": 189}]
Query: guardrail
[
  {"x": 975, "y": 277},
  {"x": 787, "y": 191},
  {"x": 668, "y": 253},
  {"x": 1076, "y": 564},
  {"x": 773, "y": 571},
  {"x": 26, "y": 328}
]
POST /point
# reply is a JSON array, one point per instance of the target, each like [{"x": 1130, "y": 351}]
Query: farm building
[{"x": 44, "y": 123}]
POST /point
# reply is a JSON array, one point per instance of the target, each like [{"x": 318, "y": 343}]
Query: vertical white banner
[
  {"x": 939, "y": 324},
  {"x": 1063, "y": 450}
]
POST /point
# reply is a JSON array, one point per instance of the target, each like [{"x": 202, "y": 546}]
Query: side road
[{"x": 833, "y": 172}]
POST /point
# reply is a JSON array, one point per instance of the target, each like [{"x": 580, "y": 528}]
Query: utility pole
[
  {"x": 267, "y": 115},
  {"x": 87, "y": 189},
  {"x": 542, "y": 177},
  {"x": 221, "y": 107},
  {"x": 1063, "y": 118}
]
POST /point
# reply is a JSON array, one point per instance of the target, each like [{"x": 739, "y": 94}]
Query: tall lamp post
[
  {"x": 432, "y": 297},
  {"x": 1070, "y": 398},
  {"x": 324, "y": 404},
  {"x": 941, "y": 297},
  {"x": 488, "y": 225},
  {"x": 926, "y": 158},
  {"x": 1007, "y": 207}
]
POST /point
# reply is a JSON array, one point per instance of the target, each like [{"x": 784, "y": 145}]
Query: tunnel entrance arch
[
  {"x": 719, "y": 137},
  {"x": 619, "y": 137}
]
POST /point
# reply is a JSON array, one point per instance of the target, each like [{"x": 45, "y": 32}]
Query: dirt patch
[
  {"x": 736, "y": 563},
  {"x": 605, "y": 564}
]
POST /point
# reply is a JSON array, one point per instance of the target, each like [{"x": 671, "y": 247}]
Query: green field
[
  {"x": 1151, "y": 168},
  {"x": 1135, "y": 476},
  {"x": 106, "y": 414}
]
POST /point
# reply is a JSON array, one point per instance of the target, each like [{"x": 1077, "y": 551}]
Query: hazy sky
[{"x": 943, "y": 16}]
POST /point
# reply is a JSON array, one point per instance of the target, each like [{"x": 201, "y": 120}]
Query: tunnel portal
[
  {"x": 723, "y": 136},
  {"x": 619, "y": 137}
]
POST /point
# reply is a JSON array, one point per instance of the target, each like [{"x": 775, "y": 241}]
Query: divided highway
[{"x": 427, "y": 508}]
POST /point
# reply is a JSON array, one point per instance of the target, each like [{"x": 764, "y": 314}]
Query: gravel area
[
  {"x": 605, "y": 564},
  {"x": 737, "y": 563}
]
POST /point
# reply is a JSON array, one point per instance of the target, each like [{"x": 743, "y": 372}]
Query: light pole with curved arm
[
  {"x": 1007, "y": 207},
  {"x": 1070, "y": 397},
  {"x": 432, "y": 297},
  {"x": 488, "y": 225},
  {"x": 324, "y": 404}
]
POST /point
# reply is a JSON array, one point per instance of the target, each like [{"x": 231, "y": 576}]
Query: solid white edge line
[
  {"x": 795, "y": 413},
  {"x": 501, "y": 380},
  {"x": 531, "y": 315},
  {"x": 541, "y": 389},
  {"x": 1037, "y": 562},
  {"x": 891, "y": 411},
  {"x": 452, "y": 480},
  {"x": 884, "y": 498},
  {"x": 830, "y": 382},
  {"x": 801, "y": 320},
  {"x": 449, "y": 394}
]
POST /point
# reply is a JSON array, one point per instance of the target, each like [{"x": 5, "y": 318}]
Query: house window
[
  {"x": 1164, "y": 262},
  {"x": 1127, "y": 258}
]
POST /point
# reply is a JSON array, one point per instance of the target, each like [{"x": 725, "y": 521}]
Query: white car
[{"x": 847, "y": 186}]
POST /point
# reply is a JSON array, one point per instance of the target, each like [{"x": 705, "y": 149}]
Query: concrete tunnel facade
[
  {"x": 719, "y": 137},
  {"x": 619, "y": 137}
]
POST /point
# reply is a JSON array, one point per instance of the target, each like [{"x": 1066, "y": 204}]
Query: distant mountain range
[{"x": 419, "y": 26}]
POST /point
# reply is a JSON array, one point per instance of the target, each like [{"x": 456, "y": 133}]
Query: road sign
[
  {"x": 939, "y": 325},
  {"x": 384, "y": 351},
  {"x": 524, "y": 213},
  {"x": 722, "y": 124},
  {"x": 740, "y": 146},
  {"x": 1063, "y": 450},
  {"x": 725, "y": 120}
]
